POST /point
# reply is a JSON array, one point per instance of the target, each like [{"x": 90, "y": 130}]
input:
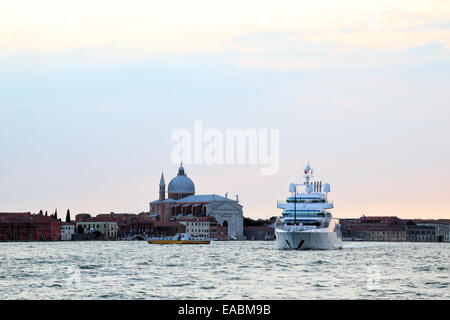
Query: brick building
[
  {"x": 374, "y": 229},
  {"x": 389, "y": 229},
  {"x": 217, "y": 231},
  {"x": 168, "y": 228},
  {"x": 24, "y": 226},
  {"x": 136, "y": 226}
]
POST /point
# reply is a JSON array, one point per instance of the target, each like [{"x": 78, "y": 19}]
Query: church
[{"x": 181, "y": 201}]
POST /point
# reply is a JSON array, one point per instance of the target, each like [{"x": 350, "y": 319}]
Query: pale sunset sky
[{"x": 91, "y": 91}]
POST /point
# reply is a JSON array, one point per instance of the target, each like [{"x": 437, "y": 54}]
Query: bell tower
[{"x": 162, "y": 188}]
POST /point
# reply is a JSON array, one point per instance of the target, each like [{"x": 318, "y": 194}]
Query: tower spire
[
  {"x": 162, "y": 188},
  {"x": 162, "y": 182}
]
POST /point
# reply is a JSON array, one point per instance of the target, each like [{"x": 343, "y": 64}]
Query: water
[{"x": 222, "y": 270}]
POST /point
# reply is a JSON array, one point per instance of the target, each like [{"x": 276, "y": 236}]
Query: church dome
[{"x": 181, "y": 184}]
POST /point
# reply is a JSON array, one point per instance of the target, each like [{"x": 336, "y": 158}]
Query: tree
[
  {"x": 46, "y": 213},
  {"x": 250, "y": 222},
  {"x": 40, "y": 212},
  {"x": 56, "y": 214},
  {"x": 68, "y": 216}
]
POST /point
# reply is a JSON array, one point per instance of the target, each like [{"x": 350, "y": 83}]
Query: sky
[{"x": 91, "y": 92}]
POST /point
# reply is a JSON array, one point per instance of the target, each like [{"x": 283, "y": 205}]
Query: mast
[{"x": 295, "y": 205}]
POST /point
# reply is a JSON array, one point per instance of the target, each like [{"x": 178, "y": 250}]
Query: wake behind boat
[
  {"x": 306, "y": 223},
  {"x": 180, "y": 238}
]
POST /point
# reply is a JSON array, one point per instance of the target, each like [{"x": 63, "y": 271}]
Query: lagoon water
[{"x": 222, "y": 270}]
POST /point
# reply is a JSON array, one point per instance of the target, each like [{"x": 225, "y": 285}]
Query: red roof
[
  {"x": 378, "y": 228},
  {"x": 14, "y": 215},
  {"x": 25, "y": 217},
  {"x": 381, "y": 220},
  {"x": 137, "y": 220},
  {"x": 168, "y": 224},
  {"x": 437, "y": 221}
]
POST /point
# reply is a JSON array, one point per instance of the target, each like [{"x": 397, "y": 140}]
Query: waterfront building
[
  {"x": 394, "y": 229},
  {"x": 17, "y": 227},
  {"x": 101, "y": 229},
  {"x": 129, "y": 225},
  {"x": 168, "y": 228},
  {"x": 24, "y": 226},
  {"x": 67, "y": 230},
  {"x": 118, "y": 217},
  {"x": 82, "y": 217},
  {"x": 374, "y": 229},
  {"x": 181, "y": 201},
  {"x": 217, "y": 231},
  {"x": 136, "y": 226},
  {"x": 441, "y": 226},
  {"x": 197, "y": 226},
  {"x": 416, "y": 233},
  {"x": 389, "y": 234}
]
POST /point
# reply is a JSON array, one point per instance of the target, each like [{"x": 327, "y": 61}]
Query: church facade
[{"x": 181, "y": 201}]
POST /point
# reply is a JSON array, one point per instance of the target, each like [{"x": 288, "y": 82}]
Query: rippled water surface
[{"x": 222, "y": 270}]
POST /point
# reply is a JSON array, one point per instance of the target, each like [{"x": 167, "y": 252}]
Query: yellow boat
[{"x": 181, "y": 238}]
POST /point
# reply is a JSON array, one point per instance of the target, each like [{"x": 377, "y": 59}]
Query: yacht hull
[{"x": 307, "y": 240}]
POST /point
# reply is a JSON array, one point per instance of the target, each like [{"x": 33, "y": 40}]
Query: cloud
[
  {"x": 143, "y": 28},
  {"x": 293, "y": 50}
]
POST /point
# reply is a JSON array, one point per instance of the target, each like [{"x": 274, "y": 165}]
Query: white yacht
[{"x": 306, "y": 222}]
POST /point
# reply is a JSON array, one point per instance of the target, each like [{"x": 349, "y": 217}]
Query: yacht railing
[{"x": 305, "y": 201}]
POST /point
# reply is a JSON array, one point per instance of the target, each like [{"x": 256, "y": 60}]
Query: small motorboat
[{"x": 180, "y": 238}]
